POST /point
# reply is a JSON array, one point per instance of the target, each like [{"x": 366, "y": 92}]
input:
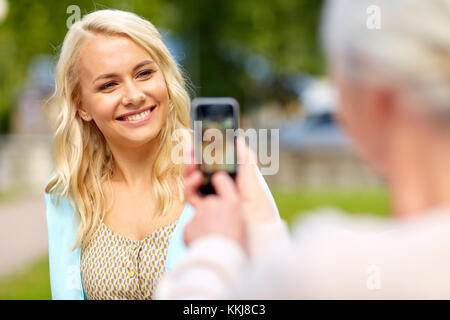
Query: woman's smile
[
  {"x": 132, "y": 95},
  {"x": 137, "y": 118}
]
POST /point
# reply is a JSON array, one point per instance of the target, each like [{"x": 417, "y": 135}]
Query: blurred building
[
  {"x": 314, "y": 151},
  {"x": 25, "y": 154}
]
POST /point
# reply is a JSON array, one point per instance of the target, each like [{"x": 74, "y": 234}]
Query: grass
[
  {"x": 295, "y": 203},
  {"x": 12, "y": 194},
  {"x": 34, "y": 283}
]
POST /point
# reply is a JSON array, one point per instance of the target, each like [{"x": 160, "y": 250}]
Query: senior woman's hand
[
  {"x": 235, "y": 205},
  {"x": 219, "y": 214}
]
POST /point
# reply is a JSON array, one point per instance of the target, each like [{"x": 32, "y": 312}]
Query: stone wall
[
  {"x": 25, "y": 161},
  {"x": 322, "y": 169}
]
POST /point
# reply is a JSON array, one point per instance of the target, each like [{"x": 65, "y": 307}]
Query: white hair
[{"x": 411, "y": 48}]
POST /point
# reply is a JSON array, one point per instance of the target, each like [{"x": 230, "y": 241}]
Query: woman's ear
[
  {"x": 83, "y": 113},
  {"x": 382, "y": 103}
]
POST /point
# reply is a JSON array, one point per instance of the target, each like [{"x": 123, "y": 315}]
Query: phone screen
[
  {"x": 222, "y": 150},
  {"x": 215, "y": 141}
]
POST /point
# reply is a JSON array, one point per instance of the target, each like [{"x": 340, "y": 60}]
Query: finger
[
  {"x": 247, "y": 173},
  {"x": 224, "y": 186},
  {"x": 191, "y": 185},
  {"x": 244, "y": 155}
]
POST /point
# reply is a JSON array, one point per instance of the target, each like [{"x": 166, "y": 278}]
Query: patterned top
[{"x": 116, "y": 268}]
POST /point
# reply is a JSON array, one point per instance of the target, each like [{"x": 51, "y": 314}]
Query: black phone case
[{"x": 207, "y": 188}]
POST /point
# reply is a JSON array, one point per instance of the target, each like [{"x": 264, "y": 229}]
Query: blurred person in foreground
[{"x": 394, "y": 96}]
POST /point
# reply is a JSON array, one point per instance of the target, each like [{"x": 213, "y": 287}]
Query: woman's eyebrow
[{"x": 112, "y": 75}]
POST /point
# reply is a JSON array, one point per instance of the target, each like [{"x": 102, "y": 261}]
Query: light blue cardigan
[{"x": 62, "y": 225}]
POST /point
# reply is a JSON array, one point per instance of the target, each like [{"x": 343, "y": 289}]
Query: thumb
[
  {"x": 224, "y": 186},
  {"x": 248, "y": 165}
]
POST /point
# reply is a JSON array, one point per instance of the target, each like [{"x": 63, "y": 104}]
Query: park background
[{"x": 264, "y": 53}]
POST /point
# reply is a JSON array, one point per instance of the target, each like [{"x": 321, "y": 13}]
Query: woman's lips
[
  {"x": 131, "y": 114},
  {"x": 138, "y": 119}
]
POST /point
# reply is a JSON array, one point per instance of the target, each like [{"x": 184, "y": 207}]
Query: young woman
[{"x": 115, "y": 207}]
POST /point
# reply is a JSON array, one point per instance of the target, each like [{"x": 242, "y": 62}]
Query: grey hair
[{"x": 411, "y": 48}]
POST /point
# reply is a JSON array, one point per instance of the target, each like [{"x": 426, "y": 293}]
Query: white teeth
[{"x": 139, "y": 116}]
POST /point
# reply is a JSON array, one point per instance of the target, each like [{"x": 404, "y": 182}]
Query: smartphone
[{"x": 214, "y": 123}]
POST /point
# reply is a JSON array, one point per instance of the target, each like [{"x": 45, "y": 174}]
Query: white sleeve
[
  {"x": 209, "y": 269},
  {"x": 332, "y": 257},
  {"x": 264, "y": 236},
  {"x": 329, "y": 258},
  {"x": 337, "y": 257}
]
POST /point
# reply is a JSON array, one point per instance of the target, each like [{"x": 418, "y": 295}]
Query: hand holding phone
[
  {"x": 219, "y": 214},
  {"x": 215, "y": 121}
]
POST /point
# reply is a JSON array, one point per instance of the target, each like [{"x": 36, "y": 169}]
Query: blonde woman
[{"x": 115, "y": 207}]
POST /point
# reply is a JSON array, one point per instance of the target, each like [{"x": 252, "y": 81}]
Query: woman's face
[
  {"x": 360, "y": 115},
  {"x": 122, "y": 90}
]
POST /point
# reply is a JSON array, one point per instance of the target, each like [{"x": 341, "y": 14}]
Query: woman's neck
[
  {"x": 133, "y": 166},
  {"x": 419, "y": 171}
]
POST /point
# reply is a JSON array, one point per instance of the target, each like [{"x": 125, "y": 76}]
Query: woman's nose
[{"x": 132, "y": 95}]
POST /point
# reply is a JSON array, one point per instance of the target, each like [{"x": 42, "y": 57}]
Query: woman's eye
[
  {"x": 145, "y": 73},
  {"x": 107, "y": 85}
]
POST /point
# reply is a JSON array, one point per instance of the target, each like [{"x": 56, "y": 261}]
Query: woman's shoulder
[
  {"x": 60, "y": 212},
  {"x": 57, "y": 202}
]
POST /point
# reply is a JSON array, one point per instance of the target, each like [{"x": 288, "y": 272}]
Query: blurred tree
[
  {"x": 233, "y": 48},
  {"x": 227, "y": 36}
]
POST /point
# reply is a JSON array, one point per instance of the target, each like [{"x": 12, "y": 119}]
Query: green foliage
[
  {"x": 225, "y": 34},
  {"x": 219, "y": 38},
  {"x": 33, "y": 283},
  {"x": 12, "y": 194}
]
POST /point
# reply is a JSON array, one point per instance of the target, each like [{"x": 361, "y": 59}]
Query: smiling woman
[
  {"x": 115, "y": 208},
  {"x": 134, "y": 95}
]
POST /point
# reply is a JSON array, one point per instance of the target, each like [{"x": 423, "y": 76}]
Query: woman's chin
[{"x": 137, "y": 141}]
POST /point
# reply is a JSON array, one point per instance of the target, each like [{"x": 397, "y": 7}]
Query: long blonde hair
[{"x": 82, "y": 157}]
